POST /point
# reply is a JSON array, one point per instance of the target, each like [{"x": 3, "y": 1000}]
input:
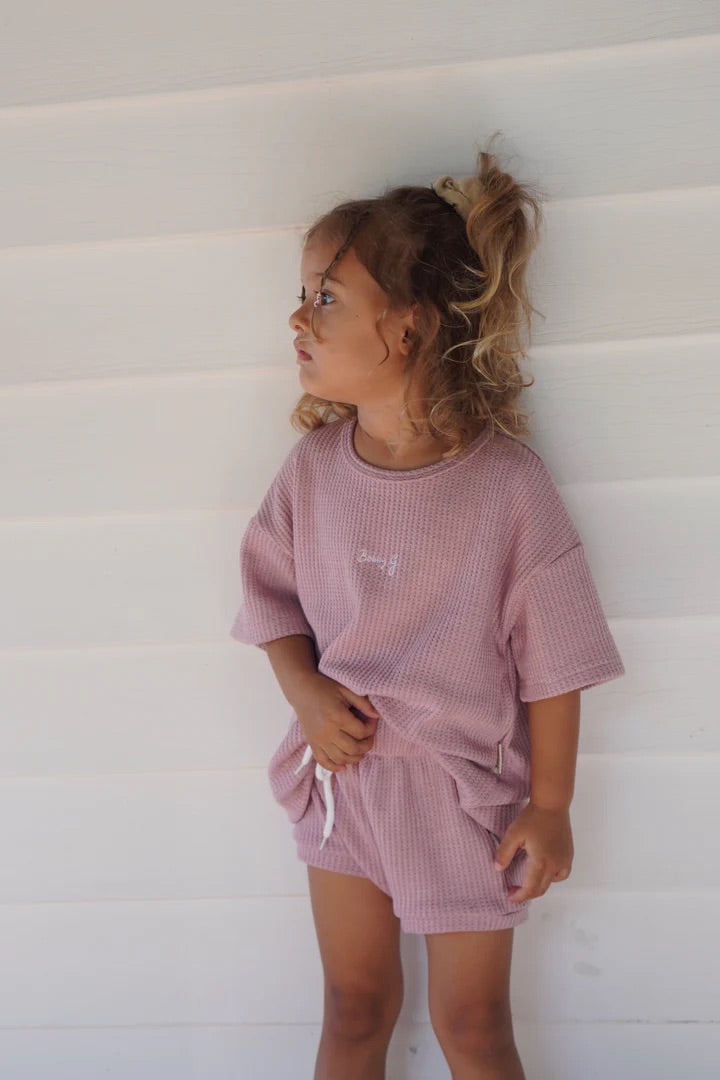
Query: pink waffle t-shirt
[{"x": 450, "y": 594}]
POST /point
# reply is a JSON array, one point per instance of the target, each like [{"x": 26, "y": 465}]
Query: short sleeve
[
  {"x": 560, "y": 639},
  {"x": 270, "y": 605}
]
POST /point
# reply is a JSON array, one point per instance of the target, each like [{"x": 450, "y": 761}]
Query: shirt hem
[
  {"x": 582, "y": 680},
  {"x": 261, "y": 637}
]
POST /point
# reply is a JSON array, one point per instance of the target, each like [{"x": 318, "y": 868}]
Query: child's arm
[
  {"x": 326, "y": 710},
  {"x": 292, "y": 658},
  {"x": 543, "y": 828},
  {"x": 554, "y": 731}
]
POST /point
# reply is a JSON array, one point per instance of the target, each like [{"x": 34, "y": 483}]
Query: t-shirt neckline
[{"x": 358, "y": 463}]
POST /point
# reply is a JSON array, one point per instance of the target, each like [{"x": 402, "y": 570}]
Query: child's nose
[{"x": 297, "y": 320}]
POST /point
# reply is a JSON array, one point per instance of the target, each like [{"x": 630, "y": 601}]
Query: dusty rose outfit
[{"x": 451, "y": 595}]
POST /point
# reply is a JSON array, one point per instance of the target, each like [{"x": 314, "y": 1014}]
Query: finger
[
  {"x": 338, "y": 760},
  {"x": 355, "y": 748},
  {"x": 332, "y": 757},
  {"x": 533, "y": 878},
  {"x": 359, "y": 749},
  {"x": 327, "y": 762},
  {"x": 563, "y": 874},
  {"x": 357, "y": 729},
  {"x": 547, "y": 880},
  {"x": 363, "y": 704},
  {"x": 506, "y": 850},
  {"x": 342, "y": 756}
]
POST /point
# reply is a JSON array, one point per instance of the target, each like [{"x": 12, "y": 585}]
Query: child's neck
[{"x": 413, "y": 455}]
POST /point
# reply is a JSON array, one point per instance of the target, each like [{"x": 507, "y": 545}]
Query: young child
[{"x": 426, "y": 605}]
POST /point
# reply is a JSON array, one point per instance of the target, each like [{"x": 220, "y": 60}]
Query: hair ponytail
[{"x": 503, "y": 230}]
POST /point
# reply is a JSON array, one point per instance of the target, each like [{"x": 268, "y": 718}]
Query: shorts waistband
[{"x": 388, "y": 743}]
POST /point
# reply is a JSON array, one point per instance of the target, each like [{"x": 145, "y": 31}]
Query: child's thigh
[
  {"x": 358, "y": 933},
  {"x": 469, "y": 976}
]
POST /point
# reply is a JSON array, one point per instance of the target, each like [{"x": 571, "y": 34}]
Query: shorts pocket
[
  {"x": 514, "y": 873},
  {"x": 290, "y": 789}
]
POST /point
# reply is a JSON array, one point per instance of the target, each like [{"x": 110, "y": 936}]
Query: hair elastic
[{"x": 462, "y": 193}]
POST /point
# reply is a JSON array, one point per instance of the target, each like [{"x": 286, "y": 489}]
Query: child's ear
[{"x": 408, "y": 329}]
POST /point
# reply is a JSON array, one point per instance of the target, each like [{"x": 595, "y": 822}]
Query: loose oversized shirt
[{"x": 451, "y": 595}]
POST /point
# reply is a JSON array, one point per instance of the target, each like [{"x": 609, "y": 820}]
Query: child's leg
[
  {"x": 469, "y": 998},
  {"x": 359, "y": 939}
]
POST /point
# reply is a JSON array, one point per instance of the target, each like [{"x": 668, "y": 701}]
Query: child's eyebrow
[{"x": 318, "y": 273}]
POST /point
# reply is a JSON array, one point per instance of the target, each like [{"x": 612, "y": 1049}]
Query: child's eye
[{"x": 322, "y": 293}]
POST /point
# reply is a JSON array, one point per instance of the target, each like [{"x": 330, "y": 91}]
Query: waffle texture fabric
[
  {"x": 400, "y": 824},
  {"x": 451, "y": 595}
]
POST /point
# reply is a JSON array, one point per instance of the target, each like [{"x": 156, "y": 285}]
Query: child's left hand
[{"x": 547, "y": 839}]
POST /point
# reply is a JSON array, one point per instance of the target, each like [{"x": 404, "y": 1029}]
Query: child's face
[{"x": 345, "y": 364}]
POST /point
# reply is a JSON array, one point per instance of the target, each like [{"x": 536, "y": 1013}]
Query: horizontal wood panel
[
  {"x": 120, "y": 580},
  {"x": 152, "y": 836},
  {"x": 46, "y": 56},
  {"x": 155, "y": 445},
  {"x": 641, "y": 539},
  {"x": 640, "y": 824},
  {"x": 144, "y": 446},
  {"x": 612, "y": 268},
  {"x": 116, "y": 310},
  {"x": 233, "y": 159},
  {"x": 661, "y": 705},
  {"x": 584, "y": 957},
  {"x": 175, "y": 577},
  {"x": 550, "y": 1051},
  {"x": 218, "y": 1052},
  {"x": 139, "y": 709},
  {"x": 606, "y": 411},
  {"x": 579, "y": 1051},
  {"x": 177, "y": 305},
  {"x": 218, "y": 706}
]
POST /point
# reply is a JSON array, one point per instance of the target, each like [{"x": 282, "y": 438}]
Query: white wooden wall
[{"x": 158, "y": 163}]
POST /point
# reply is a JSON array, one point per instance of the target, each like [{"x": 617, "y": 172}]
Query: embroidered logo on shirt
[{"x": 388, "y": 566}]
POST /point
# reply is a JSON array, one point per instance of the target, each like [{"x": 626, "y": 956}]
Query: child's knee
[
  {"x": 357, "y": 1014},
  {"x": 478, "y": 1030}
]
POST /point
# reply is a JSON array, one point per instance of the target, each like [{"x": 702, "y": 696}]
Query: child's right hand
[{"x": 325, "y": 711}]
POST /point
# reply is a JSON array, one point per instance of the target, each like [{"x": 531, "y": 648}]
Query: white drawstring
[{"x": 325, "y": 776}]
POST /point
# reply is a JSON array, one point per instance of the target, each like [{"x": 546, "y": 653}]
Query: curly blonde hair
[{"x": 468, "y": 280}]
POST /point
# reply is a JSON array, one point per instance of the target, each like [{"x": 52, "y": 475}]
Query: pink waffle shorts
[{"x": 398, "y": 821}]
